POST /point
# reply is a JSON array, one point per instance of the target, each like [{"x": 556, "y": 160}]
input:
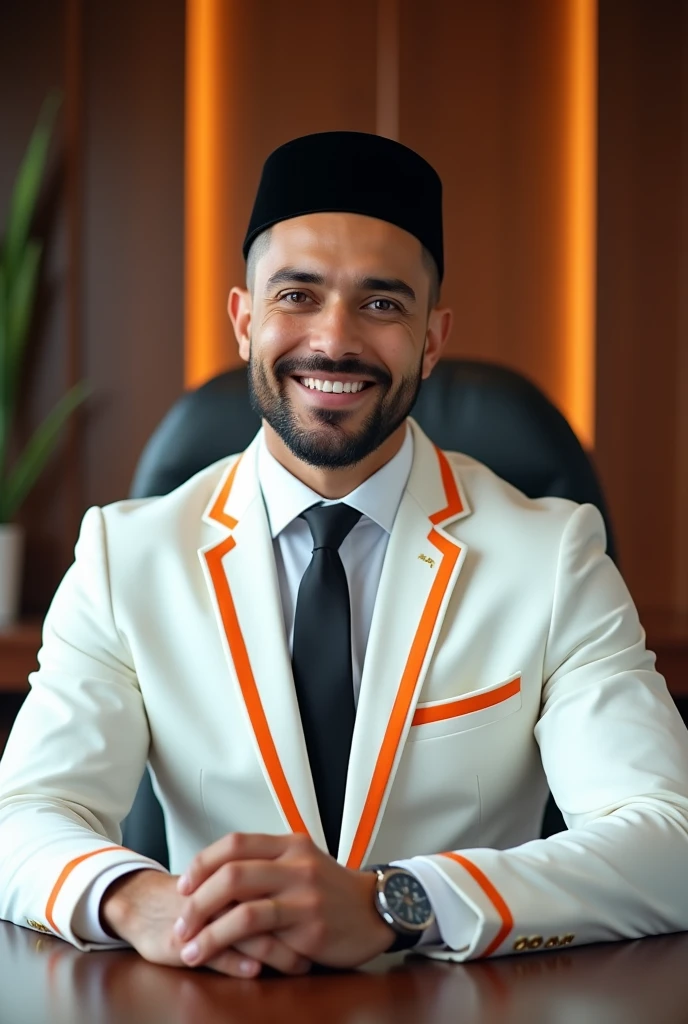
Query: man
[{"x": 345, "y": 640}]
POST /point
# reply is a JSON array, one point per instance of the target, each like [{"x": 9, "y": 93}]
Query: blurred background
[{"x": 559, "y": 128}]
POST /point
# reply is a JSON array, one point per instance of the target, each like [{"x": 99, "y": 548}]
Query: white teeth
[{"x": 334, "y": 386}]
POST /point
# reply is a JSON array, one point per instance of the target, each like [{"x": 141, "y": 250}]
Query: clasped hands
[{"x": 247, "y": 901}]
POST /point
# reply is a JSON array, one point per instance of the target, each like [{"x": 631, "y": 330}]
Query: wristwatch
[{"x": 402, "y": 902}]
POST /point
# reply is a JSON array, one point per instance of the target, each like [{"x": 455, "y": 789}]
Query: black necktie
[{"x": 321, "y": 661}]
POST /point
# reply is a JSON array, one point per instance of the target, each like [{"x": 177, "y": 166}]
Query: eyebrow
[{"x": 292, "y": 275}]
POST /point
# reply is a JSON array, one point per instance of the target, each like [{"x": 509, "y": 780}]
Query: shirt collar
[{"x": 378, "y": 497}]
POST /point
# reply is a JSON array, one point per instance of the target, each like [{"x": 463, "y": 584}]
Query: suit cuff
[
  {"x": 456, "y": 923},
  {"x": 86, "y": 916}
]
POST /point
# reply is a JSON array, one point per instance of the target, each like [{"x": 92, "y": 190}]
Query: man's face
[{"x": 337, "y": 336}]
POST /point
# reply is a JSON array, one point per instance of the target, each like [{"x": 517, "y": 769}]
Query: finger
[
  {"x": 272, "y": 952},
  {"x": 233, "y": 882},
  {"x": 240, "y": 923},
  {"x": 234, "y": 846},
  {"x": 235, "y": 964}
]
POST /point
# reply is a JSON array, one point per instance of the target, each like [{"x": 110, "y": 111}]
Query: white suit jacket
[{"x": 505, "y": 653}]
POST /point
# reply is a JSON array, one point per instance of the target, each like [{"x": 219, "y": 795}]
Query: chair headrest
[{"x": 486, "y": 411}]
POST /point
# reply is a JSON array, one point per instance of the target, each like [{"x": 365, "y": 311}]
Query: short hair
[
  {"x": 433, "y": 273},
  {"x": 261, "y": 244}
]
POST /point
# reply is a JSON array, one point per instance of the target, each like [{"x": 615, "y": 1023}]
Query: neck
[{"x": 334, "y": 483}]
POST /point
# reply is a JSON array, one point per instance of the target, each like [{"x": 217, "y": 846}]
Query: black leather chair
[{"x": 487, "y": 411}]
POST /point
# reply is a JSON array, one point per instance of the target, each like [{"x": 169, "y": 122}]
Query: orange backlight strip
[
  {"x": 578, "y": 320},
  {"x": 205, "y": 318}
]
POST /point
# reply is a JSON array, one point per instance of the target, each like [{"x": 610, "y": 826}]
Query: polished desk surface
[{"x": 45, "y": 981}]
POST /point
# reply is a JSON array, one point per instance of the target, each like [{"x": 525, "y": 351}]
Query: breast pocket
[{"x": 469, "y": 711}]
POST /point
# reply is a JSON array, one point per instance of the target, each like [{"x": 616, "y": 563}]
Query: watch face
[{"x": 406, "y": 900}]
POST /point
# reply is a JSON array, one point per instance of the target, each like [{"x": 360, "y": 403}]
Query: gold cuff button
[{"x": 38, "y": 926}]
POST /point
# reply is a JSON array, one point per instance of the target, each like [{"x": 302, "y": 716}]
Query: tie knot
[{"x": 330, "y": 524}]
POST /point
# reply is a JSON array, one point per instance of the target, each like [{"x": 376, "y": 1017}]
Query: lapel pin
[{"x": 426, "y": 558}]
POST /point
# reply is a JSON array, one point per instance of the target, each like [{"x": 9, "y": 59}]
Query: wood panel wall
[
  {"x": 483, "y": 101},
  {"x": 642, "y": 332},
  {"x": 111, "y": 306},
  {"x": 32, "y": 62},
  {"x": 478, "y": 90}
]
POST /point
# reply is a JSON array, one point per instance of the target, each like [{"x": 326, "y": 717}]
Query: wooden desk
[{"x": 42, "y": 979}]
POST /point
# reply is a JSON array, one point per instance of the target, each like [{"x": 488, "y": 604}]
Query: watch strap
[{"x": 404, "y": 942}]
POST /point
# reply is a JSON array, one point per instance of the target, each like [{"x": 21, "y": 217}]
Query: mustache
[{"x": 292, "y": 367}]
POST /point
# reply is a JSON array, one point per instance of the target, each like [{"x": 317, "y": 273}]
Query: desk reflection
[{"x": 45, "y": 980}]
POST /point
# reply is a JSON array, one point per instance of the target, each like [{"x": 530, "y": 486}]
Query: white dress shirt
[{"x": 362, "y": 553}]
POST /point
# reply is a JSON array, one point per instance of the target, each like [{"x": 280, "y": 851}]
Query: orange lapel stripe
[
  {"x": 498, "y": 901},
  {"x": 242, "y": 663},
  {"x": 454, "y": 504},
  {"x": 385, "y": 760},
  {"x": 64, "y": 875},
  {"x": 217, "y": 512},
  {"x": 466, "y": 705}
]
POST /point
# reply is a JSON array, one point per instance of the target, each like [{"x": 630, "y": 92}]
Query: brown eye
[
  {"x": 383, "y": 305},
  {"x": 297, "y": 298}
]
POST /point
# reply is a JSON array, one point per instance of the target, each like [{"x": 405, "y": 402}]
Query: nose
[{"x": 334, "y": 332}]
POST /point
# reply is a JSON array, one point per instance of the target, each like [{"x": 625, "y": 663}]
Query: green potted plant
[{"x": 20, "y": 259}]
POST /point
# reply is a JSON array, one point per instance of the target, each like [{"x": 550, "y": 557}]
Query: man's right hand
[{"x": 142, "y": 908}]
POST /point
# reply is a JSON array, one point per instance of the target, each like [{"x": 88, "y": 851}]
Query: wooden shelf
[
  {"x": 667, "y": 636},
  {"x": 18, "y": 649}
]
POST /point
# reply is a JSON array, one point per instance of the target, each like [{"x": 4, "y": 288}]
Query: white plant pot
[{"x": 11, "y": 562}]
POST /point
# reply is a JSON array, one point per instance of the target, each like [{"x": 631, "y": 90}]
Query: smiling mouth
[{"x": 336, "y": 387}]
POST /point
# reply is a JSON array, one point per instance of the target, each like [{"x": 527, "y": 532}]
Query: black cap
[{"x": 351, "y": 172}]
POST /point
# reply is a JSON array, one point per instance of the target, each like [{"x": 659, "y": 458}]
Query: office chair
[{"x": 486, "y": 411}]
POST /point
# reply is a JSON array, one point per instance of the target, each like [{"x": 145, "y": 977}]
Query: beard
[{"x": 328, "y": 444}]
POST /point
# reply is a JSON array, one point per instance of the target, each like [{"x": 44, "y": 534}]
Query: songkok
[{"x": 351, "y": 172}]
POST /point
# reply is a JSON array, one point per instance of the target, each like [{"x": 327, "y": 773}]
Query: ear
[
  {"x": 239, "y": 309},
  {"x": 439, "y": 326}
]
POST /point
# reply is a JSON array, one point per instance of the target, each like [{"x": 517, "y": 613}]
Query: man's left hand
[{"x": 262, "y": 885}]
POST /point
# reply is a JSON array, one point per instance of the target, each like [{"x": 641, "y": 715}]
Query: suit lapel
[
  {"x": 420, "y": 570},
  {"x": 421, "y": 567},
  {"x": 242, "y": 580}
]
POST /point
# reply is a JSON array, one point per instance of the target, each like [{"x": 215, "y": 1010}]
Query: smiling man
[
  {"x": 342, "y": 401},
  {"x": 354, "y": 662}
]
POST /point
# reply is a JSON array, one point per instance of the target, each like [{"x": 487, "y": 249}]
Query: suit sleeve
[
  {"x": 75, "y": 755},
  {"x": 615, "y": 752}
]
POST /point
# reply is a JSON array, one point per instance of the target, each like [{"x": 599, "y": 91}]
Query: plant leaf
[
  {"x": 18, "y": 312},
  {"x": 4, "y": 398},
  {"x": 27, "y": 185},
  {"x": 33, "y": 459}
]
